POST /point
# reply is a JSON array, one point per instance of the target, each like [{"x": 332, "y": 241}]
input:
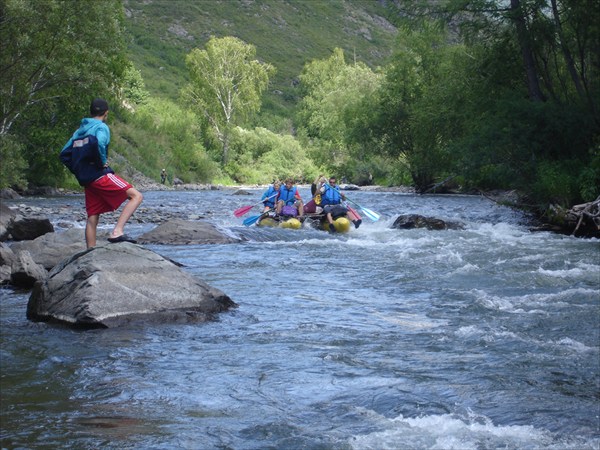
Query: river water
[{"x": 482, "y": 338}]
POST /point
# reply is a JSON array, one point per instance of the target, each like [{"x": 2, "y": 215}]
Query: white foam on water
[
  {"x": 507, "y": 233},
  {"x": 495, "y": 302},
  {"x": 577, "y": 346},
  {"x": 473, "y": 331},
  {"x": 451, "y": 256},
  {"x": 574, "y": 272},
  {"x": 531, "y": 303},
  {"x": 409, "y": 321},
  {"x": 466, "y": 269},
  {"x": 452, "y": 432}
]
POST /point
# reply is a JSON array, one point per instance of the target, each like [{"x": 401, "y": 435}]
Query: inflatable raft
[{"x": 341, "y": 224}]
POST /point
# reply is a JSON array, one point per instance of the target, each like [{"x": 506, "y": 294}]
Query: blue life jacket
[
  {"x": 331, "y": 196},
  {"x": 271, "y": 192},
  {"x": 287, "y": 195},
  {"x": 83, "y": 159}
]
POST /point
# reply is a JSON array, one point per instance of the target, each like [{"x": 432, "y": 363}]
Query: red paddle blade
[
  {"x": 353, "y": 211},
  {"x": 243, "y": 210}
]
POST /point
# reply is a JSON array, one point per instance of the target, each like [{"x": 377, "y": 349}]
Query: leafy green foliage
[
  {"x": 226, "y": 85},
  {"x": 13, "y": 164},
  {"x": 162, "y": 135},
  {"x": 133, "y": 89},
  {"x": 261, "y": 156},
  {"x": 555, "y": 182},
  {"x": 418, "y": 114},
  {"x": 53, "y": 63},
  {"x": 336, "y": 104},
  {"x": 589, "y": 178}
]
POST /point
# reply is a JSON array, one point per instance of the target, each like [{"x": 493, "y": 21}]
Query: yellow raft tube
[{"x": 341, "y": 224}]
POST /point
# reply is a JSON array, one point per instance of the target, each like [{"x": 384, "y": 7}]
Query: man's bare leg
[
  {"x": 135, "y": 199},
  {"x": 90, "y": 230}
]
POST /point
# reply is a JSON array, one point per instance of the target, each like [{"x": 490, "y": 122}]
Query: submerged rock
[
  {"x": 117, "y": 284},
  {"x": 410, "y": 221}
]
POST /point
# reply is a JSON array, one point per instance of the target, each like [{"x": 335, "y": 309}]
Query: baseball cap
[{"x": 98, "y": 107}]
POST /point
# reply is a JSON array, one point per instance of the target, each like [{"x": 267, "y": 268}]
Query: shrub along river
[{"x": 481, "y": 338}]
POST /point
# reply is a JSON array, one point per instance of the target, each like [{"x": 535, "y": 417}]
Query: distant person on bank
[{"x": 86, "y": 155}]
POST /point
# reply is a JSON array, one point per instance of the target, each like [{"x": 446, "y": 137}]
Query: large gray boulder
[
  {"x": 184, "y": 232},
  {"x": 51, "y": 248},
  {"x": 117, "y": 284}
]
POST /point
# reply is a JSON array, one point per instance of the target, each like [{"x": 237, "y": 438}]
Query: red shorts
[{"x": 105, "y": 194}]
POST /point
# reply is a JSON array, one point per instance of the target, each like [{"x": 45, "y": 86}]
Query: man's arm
[{"x": 103, "y": 136}]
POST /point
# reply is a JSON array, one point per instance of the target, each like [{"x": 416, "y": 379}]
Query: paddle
[
  {"x": 370, "y": 214},
  {"x": 353, "y": 211},
  {"x": 244, "y": 209},
  {"x": 253, "y": 219}
]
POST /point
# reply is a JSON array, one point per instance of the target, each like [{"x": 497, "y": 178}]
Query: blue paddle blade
[
  {"x": 370, "y": 214},
  {"x": 251, "y": 220}
]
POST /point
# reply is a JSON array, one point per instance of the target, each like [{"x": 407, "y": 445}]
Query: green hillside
[{"x": 286, "y": 34}]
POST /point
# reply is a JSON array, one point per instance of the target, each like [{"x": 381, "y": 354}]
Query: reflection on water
[{"x": 482, "y": 338}]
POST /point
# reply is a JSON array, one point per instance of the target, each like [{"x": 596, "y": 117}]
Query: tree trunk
[
  {"x": 533, "y": 85},
  {"x": 566, "y": 53}
]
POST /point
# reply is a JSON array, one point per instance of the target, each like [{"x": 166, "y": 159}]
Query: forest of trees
[{"x": 487, "y": 94}]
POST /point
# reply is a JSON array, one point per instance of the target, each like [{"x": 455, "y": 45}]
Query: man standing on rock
[{"x": 86, "y": 155}]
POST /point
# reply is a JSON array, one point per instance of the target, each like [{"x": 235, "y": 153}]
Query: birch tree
[{"x": 226, "y": 85}]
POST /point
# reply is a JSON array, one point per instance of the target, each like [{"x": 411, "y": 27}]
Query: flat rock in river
[
  {"x": 183, "y": 232},
  {"x": 117, "y": 284},
  {"x": 51, "y": 248}
]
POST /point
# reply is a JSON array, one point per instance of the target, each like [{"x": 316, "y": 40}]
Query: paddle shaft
[{"x": 244, "y": 209}]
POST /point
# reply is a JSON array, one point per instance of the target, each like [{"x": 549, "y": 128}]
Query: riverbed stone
[
  {"x": 26, "y": 228},
  {"x": 25, "y": 271},
  {"x": 118, "y": 284},
  {"x": 7, "y": 257},
  {"x": 410, "y": 221},
  {"x": 184, "y": 232},
  {"x": 51, "y": 248},
  {"x": 7, "y": 215}
]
